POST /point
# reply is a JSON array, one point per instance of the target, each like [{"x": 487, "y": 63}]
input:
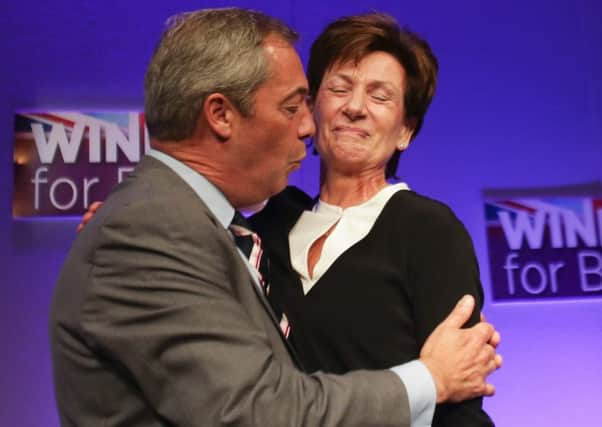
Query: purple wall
[{"x": 519, "y": 105}]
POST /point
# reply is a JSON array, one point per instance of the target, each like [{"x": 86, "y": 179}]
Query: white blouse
[{"x": 354, "y": 223}]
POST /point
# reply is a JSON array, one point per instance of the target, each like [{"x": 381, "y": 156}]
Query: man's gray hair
[{"x": 203, "y": 52}]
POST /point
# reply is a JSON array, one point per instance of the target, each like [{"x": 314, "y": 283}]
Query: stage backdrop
[{"x": 519, "y": 105}]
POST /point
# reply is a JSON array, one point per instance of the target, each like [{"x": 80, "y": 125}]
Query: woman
[{"x": 365, "y": 272}]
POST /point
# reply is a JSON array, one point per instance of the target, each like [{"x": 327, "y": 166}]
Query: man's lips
[
  {"x": 353, "y": 130},
  {"x": 293, "y": 166},
  {"x": 296, "y": 164}
]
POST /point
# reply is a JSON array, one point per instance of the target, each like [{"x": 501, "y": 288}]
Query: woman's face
[{"x": 359, "y": 114}]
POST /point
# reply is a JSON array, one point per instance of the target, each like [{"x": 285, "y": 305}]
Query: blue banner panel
[
  {"x": 545, "y": 243},
  {"x": 63, "y": 161}
]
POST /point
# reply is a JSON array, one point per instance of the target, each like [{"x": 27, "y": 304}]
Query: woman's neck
[{"x": 349, "y": 190}]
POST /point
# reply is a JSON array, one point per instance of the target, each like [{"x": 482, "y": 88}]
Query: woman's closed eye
[
  {"x": 338, "y": 89},
  {"x": 381, "y": 95}
]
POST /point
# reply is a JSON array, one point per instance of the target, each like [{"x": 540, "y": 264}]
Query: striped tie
[{"x": 249, "y": 243}]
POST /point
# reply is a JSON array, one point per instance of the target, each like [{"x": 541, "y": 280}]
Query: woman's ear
[
  {"x": 407, "y": 131},
  {"x": 220, "y": 115}
]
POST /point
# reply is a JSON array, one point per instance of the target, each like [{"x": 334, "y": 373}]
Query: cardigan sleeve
[{"x": 442, "y": 267}]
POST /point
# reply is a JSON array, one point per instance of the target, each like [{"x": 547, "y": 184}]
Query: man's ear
[
  {"x": 406, "y": 134},
  {"x": 220, "y": 114}
]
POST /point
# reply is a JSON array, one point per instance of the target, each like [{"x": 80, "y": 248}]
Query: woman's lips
[{"x": 352, "y": 130}]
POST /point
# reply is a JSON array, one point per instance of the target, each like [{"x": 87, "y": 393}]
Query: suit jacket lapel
[{"x": 152, "y": 162}]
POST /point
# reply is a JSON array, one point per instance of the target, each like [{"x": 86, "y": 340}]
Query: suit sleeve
[
  {"x": 442, "y": 268},
  {"x": 164, "y": 306}
]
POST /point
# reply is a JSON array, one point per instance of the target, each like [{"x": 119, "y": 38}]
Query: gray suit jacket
[{"x": 156, "y": 321}]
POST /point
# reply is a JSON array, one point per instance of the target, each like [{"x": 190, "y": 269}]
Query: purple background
[{"x": 519, "y": 105}]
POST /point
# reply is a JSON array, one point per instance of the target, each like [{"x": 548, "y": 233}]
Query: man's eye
[{"x": 292, "y": 109}]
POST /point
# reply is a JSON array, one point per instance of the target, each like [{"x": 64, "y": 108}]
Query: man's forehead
[
  {"x": 280, "y": 53},
  {"x": 275, "y": 41},
  {"x": 285, "y": 68}
]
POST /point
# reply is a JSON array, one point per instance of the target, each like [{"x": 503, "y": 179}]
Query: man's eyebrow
[{"x": 301, "y": 91}]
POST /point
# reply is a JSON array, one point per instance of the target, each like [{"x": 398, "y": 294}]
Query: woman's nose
[{"x": 355, "y": 107}]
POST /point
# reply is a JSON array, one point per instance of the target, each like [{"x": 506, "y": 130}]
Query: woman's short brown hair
[{"x": 351, "y": 38}]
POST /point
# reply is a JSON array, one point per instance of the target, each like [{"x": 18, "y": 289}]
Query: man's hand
[
  {"x": 88, "y": 215},
  {"x": 461, "y": 359}
]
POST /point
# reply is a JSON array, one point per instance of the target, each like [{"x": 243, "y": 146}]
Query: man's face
[{"x": 272, "y": 138}]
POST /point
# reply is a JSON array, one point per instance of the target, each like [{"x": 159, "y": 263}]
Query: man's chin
[{"x": 253, "y": 209}]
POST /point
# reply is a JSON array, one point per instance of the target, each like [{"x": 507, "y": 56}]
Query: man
[{"x": 158, "y": 319}]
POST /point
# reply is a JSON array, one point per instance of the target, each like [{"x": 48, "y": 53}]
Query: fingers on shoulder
[{"x": 482, "y": 332}]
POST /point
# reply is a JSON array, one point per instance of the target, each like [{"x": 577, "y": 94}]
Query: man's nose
[{"x": 307, "y": 126}]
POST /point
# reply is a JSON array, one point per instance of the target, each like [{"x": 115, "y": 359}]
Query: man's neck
[{"x": 210, "y": 164}]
